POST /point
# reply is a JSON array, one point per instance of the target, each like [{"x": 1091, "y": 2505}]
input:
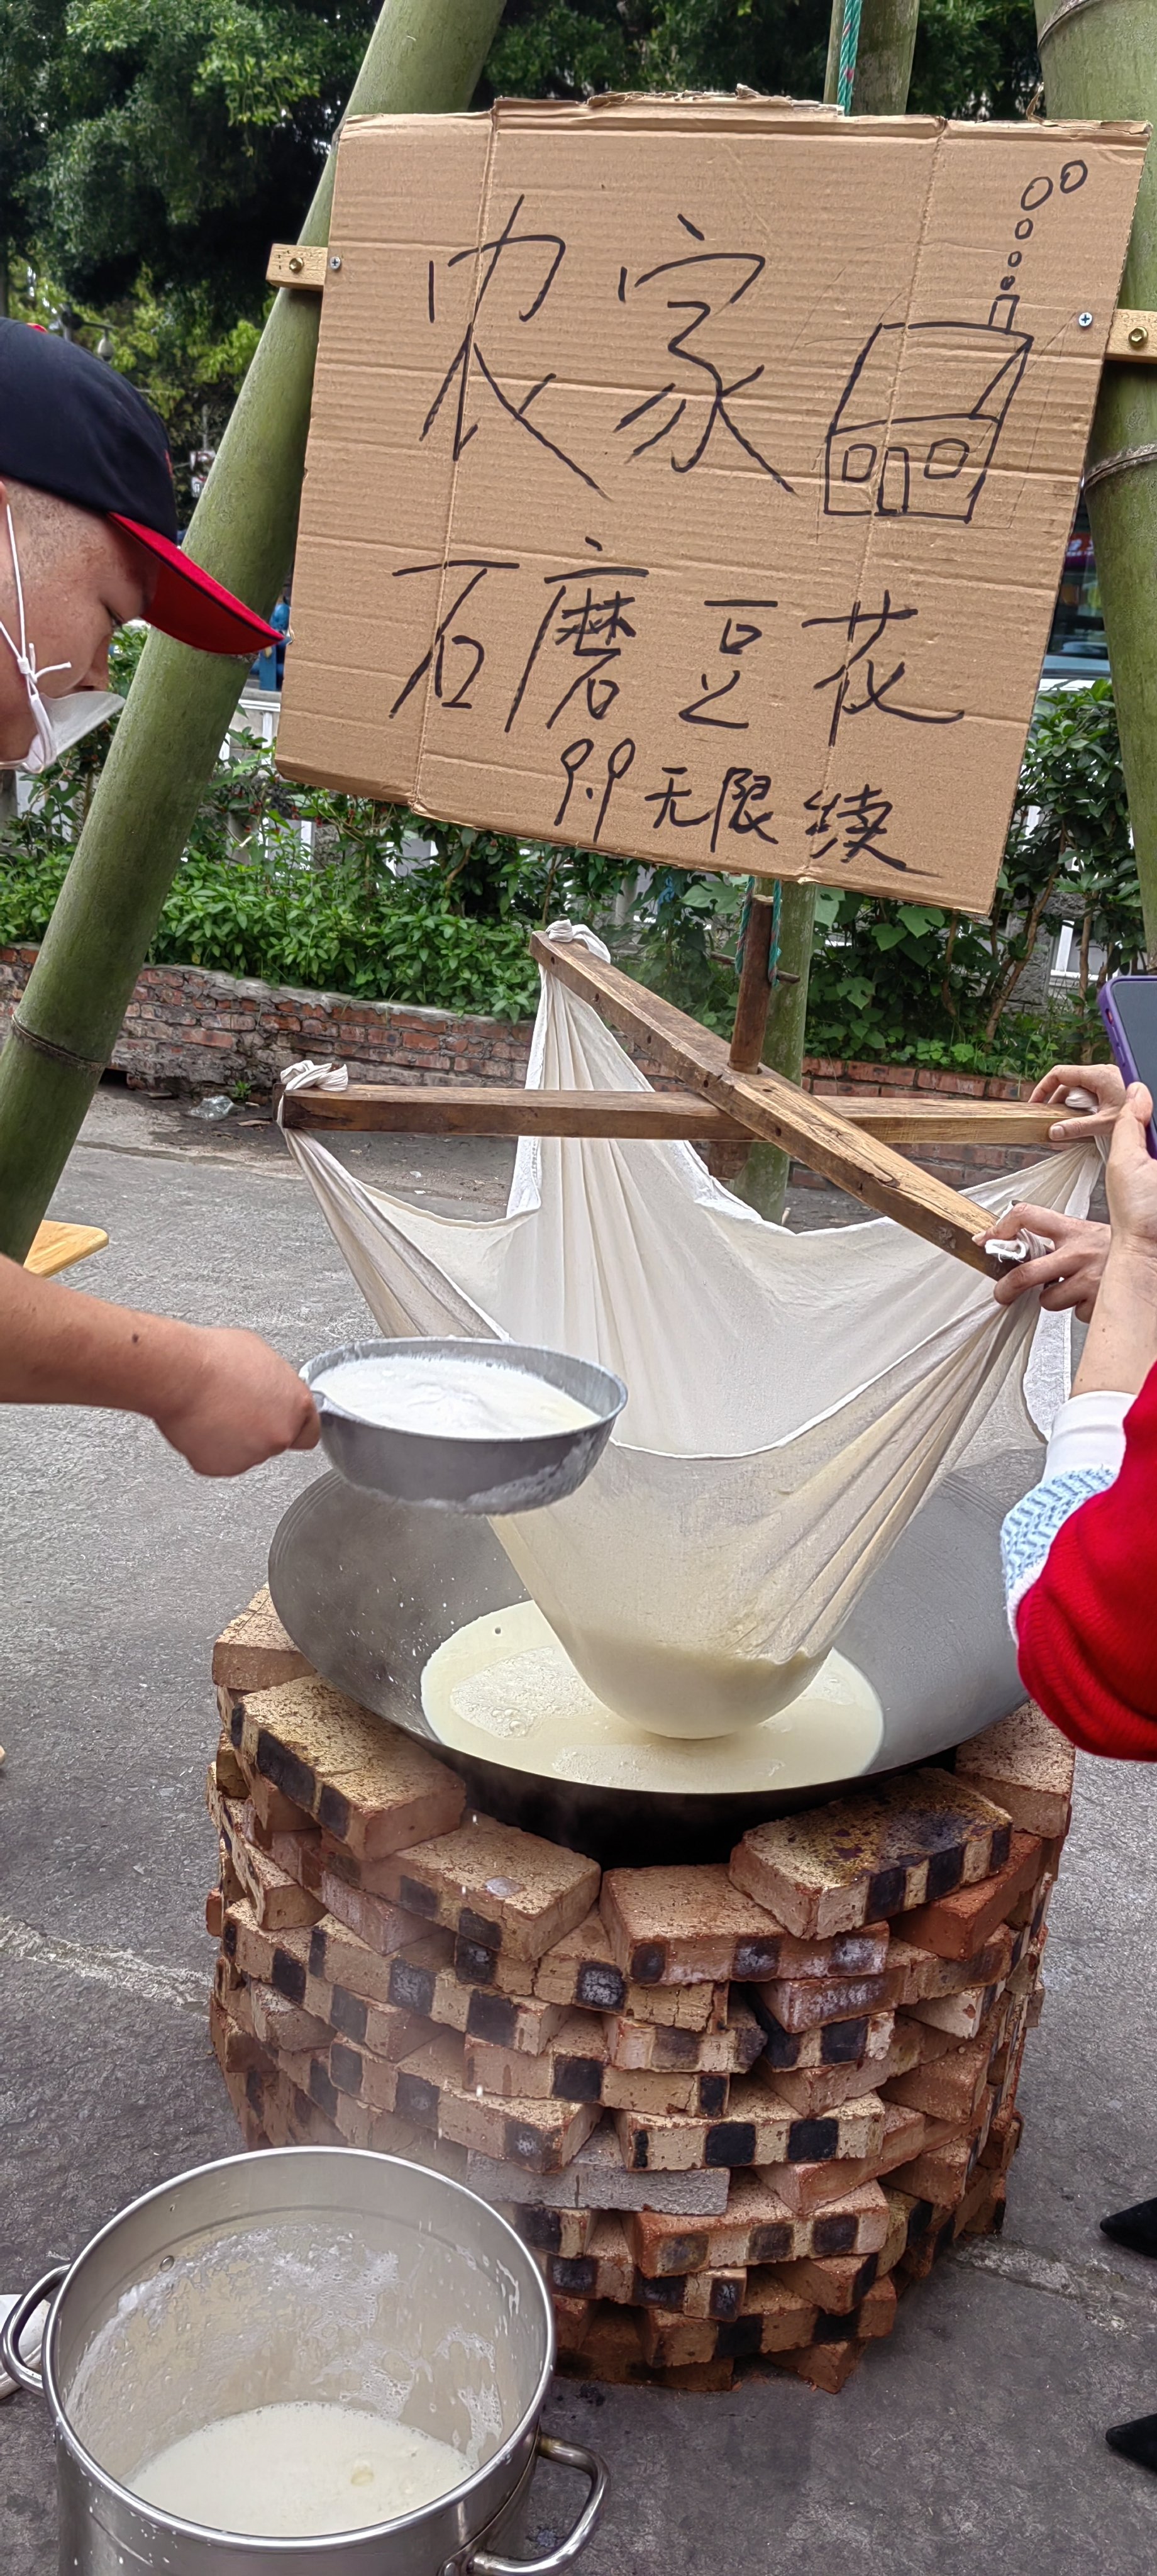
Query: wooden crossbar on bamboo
[{"x": 493, "y": 1109}]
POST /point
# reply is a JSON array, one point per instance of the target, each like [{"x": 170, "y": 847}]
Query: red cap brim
[{"x": 188, "y": 604}]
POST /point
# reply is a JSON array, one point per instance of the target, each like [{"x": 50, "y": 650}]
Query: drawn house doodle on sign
[{"x": 915, "y": 429}]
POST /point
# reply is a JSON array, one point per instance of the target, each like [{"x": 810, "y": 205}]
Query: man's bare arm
[{"x": 224, "y": 1399}]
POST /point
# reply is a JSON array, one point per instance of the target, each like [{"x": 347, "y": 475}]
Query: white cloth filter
[{"x": 793, "y": 1398}]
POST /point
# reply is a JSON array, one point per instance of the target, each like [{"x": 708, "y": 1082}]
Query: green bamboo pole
[
  {"x": 1102, "y": 61},
  {"x": 883, "y": 70},
  {"x": 424, "y": 56}
]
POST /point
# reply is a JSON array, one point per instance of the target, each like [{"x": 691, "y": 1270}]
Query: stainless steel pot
[
  {"x": 486, "y": 1475},
  {"x": 303, "y": 2273}
]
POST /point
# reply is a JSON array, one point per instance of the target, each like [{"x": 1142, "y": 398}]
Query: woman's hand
[
  {"x": 1131, "y": 1178},
  {"x": 1122, "y": 1344},
  {"x": 1068, "y": 1275},
  {"x": 1105, "y": 1083}
]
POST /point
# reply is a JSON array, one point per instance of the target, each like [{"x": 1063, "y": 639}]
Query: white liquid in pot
[
  {"x": 458, "y": 1399},
  {"x": 293, "y": 2472},
  {"x": 503, "y": 1689}
]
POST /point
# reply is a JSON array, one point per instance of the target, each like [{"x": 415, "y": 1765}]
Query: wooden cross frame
[{"x": 729, "y": 1098}]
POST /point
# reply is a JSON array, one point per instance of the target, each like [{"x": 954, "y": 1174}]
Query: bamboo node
[
  {"x": 1126, "y": 460},
  {"x": 57, "y": 1054}
]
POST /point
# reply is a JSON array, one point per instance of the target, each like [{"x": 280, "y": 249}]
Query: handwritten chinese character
[
  {"x": 740, "y": 806},
  {"x": 704, "y": 274},
  {"x": 477, "y": 567},
  {"x": 587, "y": 628},
  {"x": 877, "y": 693},
  {"x": 671, "y": 798},
  {"x": 469, "y": 360},
  {"x": 860, "y": 821},
  {"x": 737, "y": 638}
]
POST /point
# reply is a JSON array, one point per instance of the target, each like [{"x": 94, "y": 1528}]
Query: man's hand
[
  {"x": 1069, "y": 1275},
  {"x": 235, "y": 1405},
  {"x": 223, "y": 1398},
  {"x": 1105, "y": 1083}
]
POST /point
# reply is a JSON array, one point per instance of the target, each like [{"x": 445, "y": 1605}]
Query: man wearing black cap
[{"x": 88, "y": 539}]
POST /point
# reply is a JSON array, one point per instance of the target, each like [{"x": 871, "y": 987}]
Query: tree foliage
[
  {"x": 161, "y": 145},
  {"x": 150, "y": 152},
  {"x": 890, "y": 978},
  {"x": 973, "y": 57}
]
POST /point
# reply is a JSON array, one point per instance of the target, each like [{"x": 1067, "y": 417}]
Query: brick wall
[
  {"x": 187, "y": 1030},
  {"x": 962, "y": 1166}
]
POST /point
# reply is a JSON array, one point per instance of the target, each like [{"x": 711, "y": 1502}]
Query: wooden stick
[
  {"x": 753, "y": 1000},
  {"x": 492, "y": 1109},
  {"x": 775, "y": 1109},
  {"x": 485, "y": 1109}
]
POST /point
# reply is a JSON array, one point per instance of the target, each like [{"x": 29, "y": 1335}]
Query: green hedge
[{"x": 910, "y": 983}]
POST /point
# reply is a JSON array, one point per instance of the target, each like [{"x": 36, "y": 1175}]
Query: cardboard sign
[{"x": 692, "y": 480}]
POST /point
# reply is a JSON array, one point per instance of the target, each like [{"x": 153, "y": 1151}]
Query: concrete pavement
[{"x": 972, "y": 2441}]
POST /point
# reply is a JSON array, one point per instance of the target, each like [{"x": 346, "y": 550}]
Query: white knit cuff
[
  {"x": 1089, "y": 1431},
  {"x": 1031, "y": 1526}
]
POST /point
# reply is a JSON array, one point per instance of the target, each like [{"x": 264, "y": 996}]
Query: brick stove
[{"x": 737, "y": 2110}]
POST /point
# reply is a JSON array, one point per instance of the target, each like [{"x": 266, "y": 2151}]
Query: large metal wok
[{"x": 368, "y": 1588}]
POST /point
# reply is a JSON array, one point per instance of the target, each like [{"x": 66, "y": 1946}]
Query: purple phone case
[{"x": 1122, "y": 1051}]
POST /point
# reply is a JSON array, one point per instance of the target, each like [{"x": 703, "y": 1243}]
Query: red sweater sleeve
[{"x": 1087, "y": 1628}]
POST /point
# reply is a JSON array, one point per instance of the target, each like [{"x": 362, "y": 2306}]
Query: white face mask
[{"x": 72, "y": 715}]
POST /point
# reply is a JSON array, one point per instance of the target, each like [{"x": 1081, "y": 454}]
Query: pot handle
[
  {"x": 567, "y": 2455},
  {"x": 11, "y": 2358}
]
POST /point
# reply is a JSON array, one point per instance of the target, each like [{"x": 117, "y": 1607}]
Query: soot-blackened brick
[
  {"x": 836, "y": 2235},
  {"x": 648, "y": 1960},
  {"x": 287, "y": 1977},
  {"x": 773, "y": 2244},
  {"x": 575, "y": 2278},
  {"x": 348, "y": 2013},
  {"x": 945, "y": 1871},
  {"x": 577, "y": 2079},
  {"x": 474, "y": 1962},
  {"x": 334, "y": 1812},
  {"x": 740, "y": 2338},
  {"x": 812, "y": 2142},
  {"x": 345, "y": 2066},
  {"x": 730, "y": 2142},
  {"x": 417, "y": 2100},
  {"x": 844, "y": 2042},
  {"x": 411, "y": 1988},
  {"x": 886, "y": 1892},
  {"x": 600, "y": 1989},
  {"x": 285, "y": 1771},
  {"x": 323, "y": 2091},
  {"x": 492, "y": 2018}
]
